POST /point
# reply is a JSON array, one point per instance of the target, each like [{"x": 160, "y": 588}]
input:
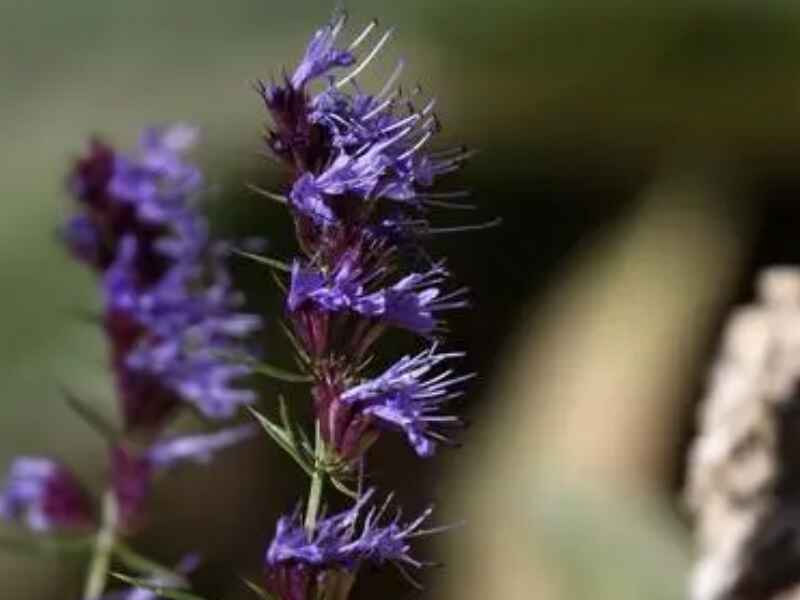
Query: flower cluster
[
  {"x": 171, "y": 314},
  {"x": 360, "y": 163},
  {"x": 44, "y": 495},
  {"x": 304, "y": 564},
  {"x": 359, "y": 198},
  {"x": 174, "y": 327}
]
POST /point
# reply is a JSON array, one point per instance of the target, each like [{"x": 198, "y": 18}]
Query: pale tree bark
[{"x": 744, "y": 467}]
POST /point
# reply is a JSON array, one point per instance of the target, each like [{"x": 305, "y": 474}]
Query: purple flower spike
[
  {"x": 300, "y": 564},
  {"x": 44, "y": 495},
  {"x": 409, "y": 398},
  {"x": 321, "y": 56},
  {"x": 172, "y": 315}
]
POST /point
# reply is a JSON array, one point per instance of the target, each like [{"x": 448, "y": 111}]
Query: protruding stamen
[
  {"x": 398, "y": 71},
  {"x": 337, "y": 27},
  {"x": 363, "y": 35},
  {"x": 266, "y": 193},
  {"x": 380, "y": 108},
  {"x": 441, "y": 204},
  {"x": 364, "y": 63},
  {"x": 479, "y": 227},
  {"x": 451, "y": 195},
  {"x": 422, "y": 141},
  {"x": 401, "y": 123}
]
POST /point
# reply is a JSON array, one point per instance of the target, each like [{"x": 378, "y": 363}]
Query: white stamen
[
  {"x": 281, "y": 199},
  {"x": 378, "y": 109},
  {"x": 423, "y": 140},
  {"x": 433, "y": 121},
  {"x": 363, "y": 35},
  {"x": 401, "y": 123},
  {"x": 364, "y": 63},
  {"x": 429, "y": 107},
  {"x": 337, "y": 28},
  {"x": 398, "y": 70}
]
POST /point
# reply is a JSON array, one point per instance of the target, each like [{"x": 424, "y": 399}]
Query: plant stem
[
  {"x": 103, "y": 547},
  {"x": 317, "y": 483}
]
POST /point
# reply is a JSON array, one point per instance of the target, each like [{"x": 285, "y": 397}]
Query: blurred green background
[{"x": 643, "y": 157}]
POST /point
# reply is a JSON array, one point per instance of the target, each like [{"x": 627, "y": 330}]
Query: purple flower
[
  {"x": 410, "y": 398},
  {"x": 191, "y": 335},
  {"x": 172, "y": 315},
  {"x": 300, "y": 564},
  {"x": 411, "y": 303},
  {"x": 365, "y": 125},
  {"x": 158, "y": 183},
  {"x": 44, "y": 495},
  {"x": 321, "y": 56},
  {"x": 356, "y": 145},
  {"x": 342, "y": 290},
  {"x": 360, "y": 175},
  {"x": 84, "y": 239}
]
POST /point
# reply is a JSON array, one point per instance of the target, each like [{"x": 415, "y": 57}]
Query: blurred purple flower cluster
[{"x": 172, "y": 320}]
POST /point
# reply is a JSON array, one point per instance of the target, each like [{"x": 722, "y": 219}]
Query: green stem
[
  {"x": 103, "y": 547},
  {"x": 317, "y": 483}
]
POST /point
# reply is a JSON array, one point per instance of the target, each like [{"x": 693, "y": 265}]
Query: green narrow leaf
[
  {"x": 298, "y": 348},
  {"x": 280, "y": 374},
  {"x": 283, "y": 410},
  {"x": 258, "y": 590},
  {"x": 279, "y": 283},
  {"x": 265, "y": 260},
  {"x": 283, "y": 439},
  {"x": 146, "y": 566},
  {"x": 91, "y": 416},
  {"x": 306, "y": 443},
  {"x": 159, "y": 590}
]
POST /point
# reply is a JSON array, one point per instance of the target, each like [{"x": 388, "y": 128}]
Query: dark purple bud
[{"x": 45, "y": 496}]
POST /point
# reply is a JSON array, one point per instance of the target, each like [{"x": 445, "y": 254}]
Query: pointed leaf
[
  {"x": 298, "y": 348},
  {"x": 91, "y": 416},
  {"x": 283, "y": 439},
  {"x": 159, "y": 590},
  {"x": 281, "y": 285},
  {"x": 258, "y": 590},
  {"x": 280, "y": 374},
  {"x": 146, "y": 566}
]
